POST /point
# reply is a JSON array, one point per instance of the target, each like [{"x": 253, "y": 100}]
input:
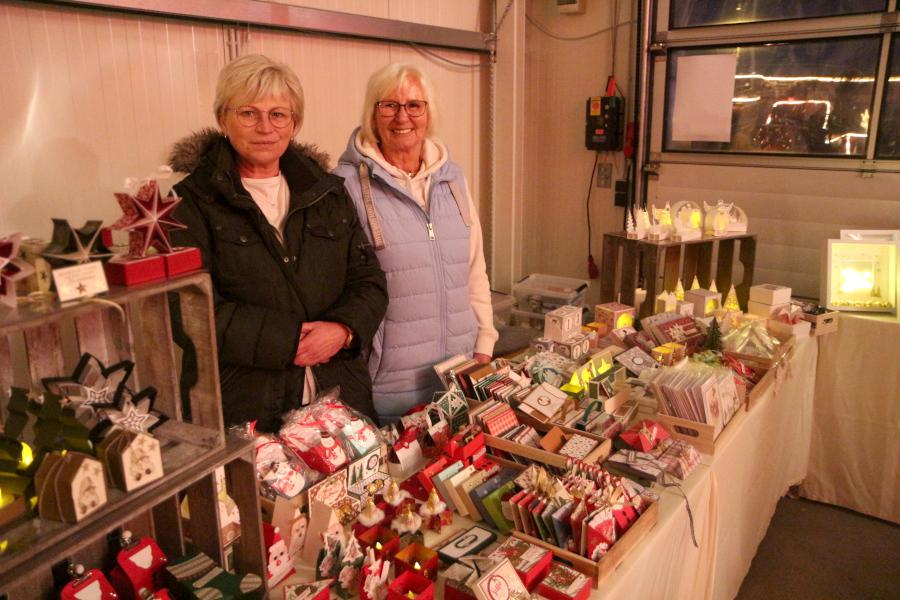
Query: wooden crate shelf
[
  {"x": 661, "y": 264},
  {"x": 46, "y": 340}
]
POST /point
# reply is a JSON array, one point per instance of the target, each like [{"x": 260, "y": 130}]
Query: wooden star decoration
[
  {"x": 92, "y": 385},
  {"x": 135, "y": 412},
  {"x": 75, "y": 246},
  {"x": 148, "y": 218},
  {"x": 12, "y": 268}
]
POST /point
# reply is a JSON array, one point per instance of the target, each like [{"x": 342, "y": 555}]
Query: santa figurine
[
  {"x": 434, "y": 512},
  {"x": 371, "y": 515},
  {"x": 278, "y": 562}
]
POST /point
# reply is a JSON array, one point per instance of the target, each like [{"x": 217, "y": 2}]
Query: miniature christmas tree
[
  {"x": 679, "y": 291},
  {"x": 695, "y": 285},
  {"x": 712, "y": 286},
  {"x": 713, "y": 337},
  {"x": 629, "y": 223},
  {"x": 731, "y": 301}
]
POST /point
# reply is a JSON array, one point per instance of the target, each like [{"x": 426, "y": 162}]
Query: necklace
[{"x": 412, "y": 174}]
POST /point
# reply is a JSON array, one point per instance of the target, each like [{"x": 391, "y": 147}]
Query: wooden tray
[
  {"x": 700, "y": 435},
  {"x": 596, "y": 456},
  {"x": 600, "y": 570}
]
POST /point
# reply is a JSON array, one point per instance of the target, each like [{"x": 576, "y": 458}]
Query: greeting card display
[
  {"x": 278, "y": 560},
  {"x": 564, "y": 583},
  {"x": 323, "y": 497}
]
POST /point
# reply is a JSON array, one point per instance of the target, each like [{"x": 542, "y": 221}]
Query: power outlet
[{"x": 604, "y": 175}]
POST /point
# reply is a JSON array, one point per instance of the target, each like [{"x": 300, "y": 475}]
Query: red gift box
[
  {"x": 469, "y": 451},
  {"x": 139, "y": 565},
  {"x": 531, "y": 562},
  {"x": 383, "y": 540},
  {"x": 126, "y": 270},
  {"x": 567, "y": 584},
  {"x": 182, "y": 260},
  {"x": 416, "y": 555},
  {"x": 411, "y": 586},
  {"x": 424, "y": 476}
]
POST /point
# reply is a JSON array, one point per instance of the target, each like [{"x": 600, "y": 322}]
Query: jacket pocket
[{"x": 238, "y": 251}]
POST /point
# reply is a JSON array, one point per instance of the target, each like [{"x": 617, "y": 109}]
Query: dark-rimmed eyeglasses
[
  {"x": 248, "y": 116},
  {"x": 389, "y": 108}
]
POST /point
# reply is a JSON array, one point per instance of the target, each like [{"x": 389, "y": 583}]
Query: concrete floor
[{"x": 816, "y": 551}]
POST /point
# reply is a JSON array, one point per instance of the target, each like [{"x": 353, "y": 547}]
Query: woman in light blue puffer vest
[{"x": 425, "y": 229}]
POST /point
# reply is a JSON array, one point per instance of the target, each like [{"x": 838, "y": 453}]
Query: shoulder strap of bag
[
  {"x": 462, "y": 202},
  {"x": 374, "y": 224}
]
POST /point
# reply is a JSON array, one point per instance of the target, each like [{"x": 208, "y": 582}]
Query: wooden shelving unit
[{"x": 49, "y": 338}]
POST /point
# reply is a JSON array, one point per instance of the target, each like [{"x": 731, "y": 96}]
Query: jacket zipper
[{"x": 435, "y": 253}]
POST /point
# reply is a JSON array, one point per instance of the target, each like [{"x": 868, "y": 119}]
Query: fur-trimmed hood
[{"x": 187, "y": 152}]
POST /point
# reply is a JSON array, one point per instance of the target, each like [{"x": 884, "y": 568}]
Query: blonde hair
[
  {"x": 254, "y": 76},
  {"x": 387, "y": 79}
]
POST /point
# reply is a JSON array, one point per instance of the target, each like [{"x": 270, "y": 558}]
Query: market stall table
[{"x": 854, "y": 454}]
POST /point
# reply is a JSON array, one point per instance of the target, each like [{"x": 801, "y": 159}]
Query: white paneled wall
[{"x": 90, "y": 97}]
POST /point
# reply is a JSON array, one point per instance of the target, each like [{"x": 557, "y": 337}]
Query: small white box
[
  {"x": 769, "y": 293},
  {"x": 765, "y": 310},
  {"x": 562, "y": 324},
  {"x": 799, "y": 329}
]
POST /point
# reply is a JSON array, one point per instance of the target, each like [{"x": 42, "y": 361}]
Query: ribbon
[{"x": 132, "y": 184}]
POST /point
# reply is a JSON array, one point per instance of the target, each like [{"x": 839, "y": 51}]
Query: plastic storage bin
[
  {"x": 539, "y": 294},
  {"x": 503, "y": 306}
]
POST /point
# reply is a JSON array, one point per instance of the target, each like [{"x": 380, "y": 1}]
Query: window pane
[
  {"x": 696, "y": 13},
  {"x": 889, "y": 129},
  {"x": 809, "y": 97}
]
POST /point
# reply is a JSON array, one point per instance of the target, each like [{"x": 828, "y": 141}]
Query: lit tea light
[
  {"x": 27, "y": 456},
  {"x": 378, "y": 546},
  {"x": 410, "y": 595},
  {"x": 417, "y": 566}
]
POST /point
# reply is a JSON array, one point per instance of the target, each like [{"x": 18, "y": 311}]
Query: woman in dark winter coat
[{"x": 298, "y": 289}]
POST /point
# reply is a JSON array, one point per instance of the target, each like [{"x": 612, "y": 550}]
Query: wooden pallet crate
[
  {"x": 39, "y": 340},
  {"x": 660, "y": 264}
]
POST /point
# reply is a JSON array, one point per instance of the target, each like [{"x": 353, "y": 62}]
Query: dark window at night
[
  {"x": 697, "y": 13},
  {"x": 806, "y": 98},
  {"x": 889, "y": 127}
]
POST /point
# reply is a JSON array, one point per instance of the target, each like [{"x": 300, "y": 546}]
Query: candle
[
  {"x": 410, "y": 595},
  {"x": 378, "y": 546},
  {"x": 4, "y": 500},
  {"x": 417, "y": 566}
]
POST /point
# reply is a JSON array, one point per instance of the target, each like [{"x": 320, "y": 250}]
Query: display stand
[
  {"x": 661, "y": 265},
  {"x": 191, "y": 451}
]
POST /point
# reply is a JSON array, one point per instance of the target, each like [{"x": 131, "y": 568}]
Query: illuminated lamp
[{"x": 862, "y": 275}]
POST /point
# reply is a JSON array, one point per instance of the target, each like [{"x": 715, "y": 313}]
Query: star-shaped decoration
[
  {"x": 75, "y": 246},
  {"x": 147, "y": 217},
  {"x": 135, "y": 412},
  {"x": 12, "y": 268},
  {"x": 92, "y": 385}
]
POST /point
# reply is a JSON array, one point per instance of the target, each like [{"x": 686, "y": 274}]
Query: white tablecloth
[
  {"x": 855, "y": 452},
  {"x": 732, "y": 497}
]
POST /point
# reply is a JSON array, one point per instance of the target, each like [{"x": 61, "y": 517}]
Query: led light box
[{"x": 862, "y": 276}]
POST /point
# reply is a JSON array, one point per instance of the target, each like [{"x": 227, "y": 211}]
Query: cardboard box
[{"x": 768, "y": 293}]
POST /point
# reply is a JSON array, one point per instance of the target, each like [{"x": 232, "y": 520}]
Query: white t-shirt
[{"x": 272, "y": 196}]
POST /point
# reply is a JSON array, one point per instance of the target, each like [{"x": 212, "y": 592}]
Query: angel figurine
[
  {"x": 435, "y": 512},
  {"x": 371, "y": 515},
  {"x": 407, "y": 521},
  {"x": 394, "y": 496}
]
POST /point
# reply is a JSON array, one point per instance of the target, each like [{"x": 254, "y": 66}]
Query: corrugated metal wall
[{"x": 90, "y": 97}]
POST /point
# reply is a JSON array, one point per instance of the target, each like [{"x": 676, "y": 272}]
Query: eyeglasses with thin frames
[
  {"x": 248, "y": 116},
  {"x": 389, "y": 108}
]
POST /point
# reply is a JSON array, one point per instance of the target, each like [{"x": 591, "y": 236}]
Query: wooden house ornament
[{"x": 69, "y": 486}]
